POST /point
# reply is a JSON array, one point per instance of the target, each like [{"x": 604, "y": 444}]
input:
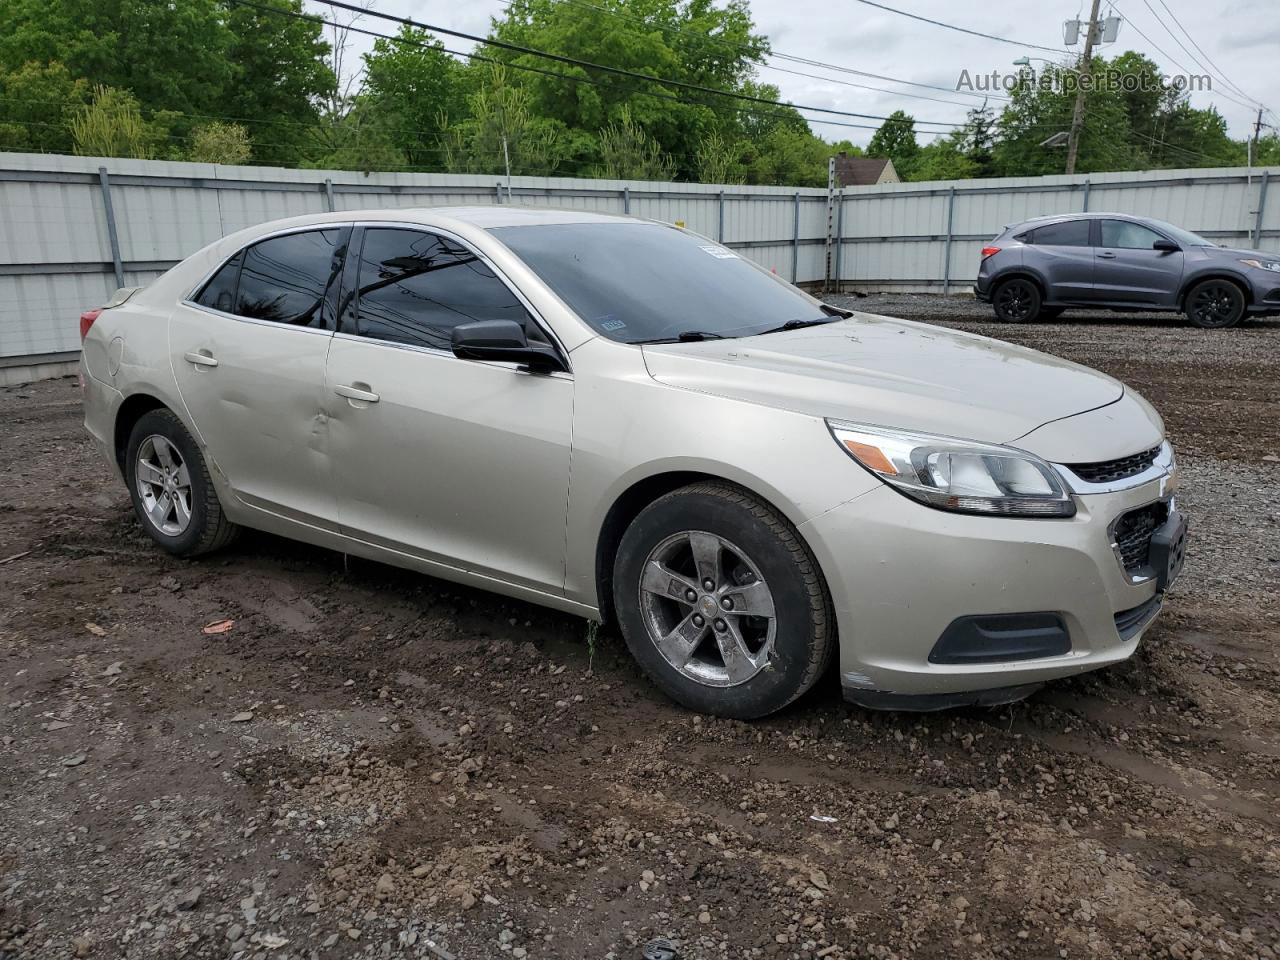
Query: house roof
[{"x": 860, "y": 171}]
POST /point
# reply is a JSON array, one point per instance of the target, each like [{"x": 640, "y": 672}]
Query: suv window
[
  {"x": 414, "y": 287},
  {"x": 284, "y": 279},
  {"x": 1070, "y": 233},
  {"x": 1123, "y": 235}
]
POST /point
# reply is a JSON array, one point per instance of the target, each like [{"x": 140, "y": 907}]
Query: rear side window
[
  {"x": 414, "y": 287},
  {"x": 1071, "y": 233},
  {"x": 285, "y": 279},
  {"x": 220, "y": 292},
  {"x": 1123, "y": 235}
]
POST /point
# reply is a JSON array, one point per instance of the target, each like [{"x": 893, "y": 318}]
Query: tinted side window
[
  {"x": 285, "y": 279},
  {"x": 415, "y": 287},
  {"x": 220, "y": 292},
  {"x": 1121, "y": 234},
  {"x": 1071, "y": 233}
]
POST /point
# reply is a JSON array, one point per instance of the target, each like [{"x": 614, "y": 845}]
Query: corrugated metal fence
[{"x": 72, "y": 229}]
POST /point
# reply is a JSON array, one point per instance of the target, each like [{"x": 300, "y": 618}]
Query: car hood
[{"x": 879, "y": 370}]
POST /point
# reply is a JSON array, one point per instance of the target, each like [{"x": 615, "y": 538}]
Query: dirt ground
[{"x": 373, "y": 763}]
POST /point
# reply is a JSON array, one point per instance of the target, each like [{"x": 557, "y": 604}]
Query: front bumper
[{"x": 901, "y": 573}]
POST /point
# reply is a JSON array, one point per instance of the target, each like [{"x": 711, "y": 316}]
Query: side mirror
[
  {"x": 502, "y": 340},
  {"x": 1165, "y": 246}
]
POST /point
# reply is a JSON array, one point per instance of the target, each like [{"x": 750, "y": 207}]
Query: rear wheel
[
  {"x": 1017, "y": 301},
  {"x": 170, "y": 487},
  {"x": 721, "y": 603},
  {"x": 1215, "y": 304}
]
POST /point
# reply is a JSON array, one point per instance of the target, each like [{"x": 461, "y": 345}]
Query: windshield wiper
[
  {"x": 686, "y": 336},
  {"x": 799, "y": 324}
]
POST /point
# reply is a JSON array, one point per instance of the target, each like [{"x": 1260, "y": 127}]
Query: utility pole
[
  {"x": 1077, "y": 115},
  {"x": 1253, "y": 144}
]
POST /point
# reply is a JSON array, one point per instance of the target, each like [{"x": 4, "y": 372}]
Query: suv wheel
[
  {"x": 1017, "y": 301},
  {"x": 170, "y": 487},
  {"x": 721, "y": 603},
  {"x": 1215, "y": 304}
]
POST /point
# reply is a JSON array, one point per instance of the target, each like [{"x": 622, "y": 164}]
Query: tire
[
  {"x": 762, "y": 565},
  {"x": 1214, "y": 304},
  {"x": 1017, "y": 301},
  {"x": 174, "y": 500}
]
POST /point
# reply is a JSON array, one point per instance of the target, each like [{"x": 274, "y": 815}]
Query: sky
[{"x": 1240, "y": 36}]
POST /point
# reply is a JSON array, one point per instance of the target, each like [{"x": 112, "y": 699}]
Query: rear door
[
  {"x": 1129, "y": 270},
  {"x": 1062, "y": 254},
  {"x": 459, "y": 462},
  {"x": 248, "y": 352}
]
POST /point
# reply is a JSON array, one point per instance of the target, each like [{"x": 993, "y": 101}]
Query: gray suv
[{"x": 1109, "y": 261}]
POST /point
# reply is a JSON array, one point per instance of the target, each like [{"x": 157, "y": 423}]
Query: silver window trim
[
  {"x": 497, "y": 271},
  {"x": 274, "y": 324}
]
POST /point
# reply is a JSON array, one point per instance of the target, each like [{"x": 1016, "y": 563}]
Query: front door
[
  {"x": 459, "y": 462},
  {"x": 1128, "y": 269},
  {"x": 248, "y": 353}
]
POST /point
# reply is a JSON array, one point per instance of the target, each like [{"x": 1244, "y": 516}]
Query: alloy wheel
[
  {"x": 707, "y": 609},
  {"x": 1015, "y": 300},
  {"x": 164, "y": 485},
  {"x": 1215, "y": 305}
]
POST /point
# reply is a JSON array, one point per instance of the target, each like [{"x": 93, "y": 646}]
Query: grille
[
  {"x": 1109, "y": 471},
  {"x": 1133, "y": 534}
]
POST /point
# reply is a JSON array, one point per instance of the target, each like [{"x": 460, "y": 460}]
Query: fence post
[
  {"x": 626, "y": 201},
  {"x": 1262, "y": 205},
  {"x": 720, "y": 219},
  {"x": 795, "y": 240},
  {"x": 1086, "y": 197},
  {"x": 112, "y": 236},
  {"x": 328, "y": 194},
  {"x": 946, "y": 256},
  {"x": 840, "y": 241},
  {"x": 498, "y": 190}
]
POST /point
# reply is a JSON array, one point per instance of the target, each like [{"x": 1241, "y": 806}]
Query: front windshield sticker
[
  {"x": 611, "y": 322},
  {"x": 719, "y": 252}
]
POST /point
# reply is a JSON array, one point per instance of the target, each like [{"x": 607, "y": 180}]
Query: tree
[
  {"x": 790, "y": 157},
  {"x": 718, "y": 161},
  {"x": 896, "y": 139},
  {"x": 628, "y": 153},
  {"x": 946, "y": 158},
  {"x": 220, "y": 143},
  {"x": 112, "y": 126},
  {"x": 502, "y": 129},
  {"x": 35, "y": 101}
]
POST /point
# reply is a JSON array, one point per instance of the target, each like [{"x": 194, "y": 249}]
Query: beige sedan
[{"x": 626, "y": 421}]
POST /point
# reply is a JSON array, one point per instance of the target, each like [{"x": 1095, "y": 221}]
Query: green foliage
[
  {"x": 361, "y": 139},
  {"x": 788, "y": 157},
  {"x": 718, "y": 161},
  {"x": 627, "y": 152},
  {"x": 112, "y": 126},
  {"x": 35, "y": 101},
  {"x": 418, "y": 88},
  {"x": 219, "y": 142},
  {"x": 896, "y": 139},
  {"x": 502, "y": 128}
]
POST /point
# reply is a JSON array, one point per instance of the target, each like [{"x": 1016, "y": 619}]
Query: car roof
[
  {"x": 483, "y": 216},
  {"x": 1053, "y": 217}
]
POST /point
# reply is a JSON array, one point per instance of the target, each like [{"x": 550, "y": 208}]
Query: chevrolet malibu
[{"x": 623, "y": 420}]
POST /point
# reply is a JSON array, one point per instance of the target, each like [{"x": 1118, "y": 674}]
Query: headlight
[
  {"x": 960, "y": 475},
  {"x": 1272, "y": 265}
]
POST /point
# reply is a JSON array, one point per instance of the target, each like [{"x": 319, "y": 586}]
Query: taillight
[
  {"x": 989, "y": 251},
  {"x": 86, "y": 321}
]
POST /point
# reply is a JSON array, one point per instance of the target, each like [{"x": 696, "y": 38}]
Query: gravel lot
[{"x": 373, "y": 763}]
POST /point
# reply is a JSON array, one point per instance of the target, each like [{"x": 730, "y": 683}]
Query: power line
[
  {"x": 741, "y": 48},
  {"x": 616, "y": 71},
  {"x": 1207, "y": 58},
  {"x": 952, "y": 26}
]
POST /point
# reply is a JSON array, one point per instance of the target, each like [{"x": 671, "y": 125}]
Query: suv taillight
[
  {"x": 86, "y": 321},
  {"x": 989, "y": 251}
]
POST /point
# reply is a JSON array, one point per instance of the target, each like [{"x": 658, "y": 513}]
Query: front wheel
[
  {"x": 1017, "y": 301},
  {"x": 1215, "y": 304},
  {"x": 171, "y": 490},
  {"x": 721, "y": 603}
]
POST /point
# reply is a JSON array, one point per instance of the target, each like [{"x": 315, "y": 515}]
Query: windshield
[
  {"x": 1182, "y": 237},
  {"x": 641, "y": 282}
]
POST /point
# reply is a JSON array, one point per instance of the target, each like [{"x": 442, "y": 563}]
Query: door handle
[
  {"x": 200, "y": 359},
  {"x": 356, "y": 393},
  {"x": 1106, "y": 255}
]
